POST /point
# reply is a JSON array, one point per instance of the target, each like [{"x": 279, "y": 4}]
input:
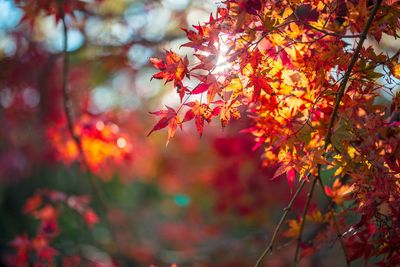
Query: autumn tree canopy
[
  {"x": 305, "y": 91},
  {"x": 311, "y": 76}
]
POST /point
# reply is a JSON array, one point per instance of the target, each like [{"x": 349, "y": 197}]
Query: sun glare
[{"x": 222, "y": 64}]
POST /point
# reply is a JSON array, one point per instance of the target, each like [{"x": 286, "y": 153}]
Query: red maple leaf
[{"x": 174, "y": 68}]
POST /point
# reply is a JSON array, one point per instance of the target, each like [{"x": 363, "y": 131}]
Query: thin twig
[
  {"x": 271, "y": 244},
  {"x": 335, "y": 221},
  {"x": 328, "y": 32},
  {"x": 303, "y": 219}
]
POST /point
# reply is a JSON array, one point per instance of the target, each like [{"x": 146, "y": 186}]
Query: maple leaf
[
  {"x": 172, "y": 126},
  {"x": 196, "y": 38},
  {"x": 394, "y": 67},
  {"x": 315, "y": 216},
  {"x": 33, "y": 203},
  {"x": 166, "y": 116},
  {"x": 189, "y": 115},
  {"x": 294, "y": 229},
  {"x": 181, "y": 90},
  {"x": 174, "y": 68},
  {"x": 213, "y": 90},
  {"x": 169, "y": 118},
  {"x": 292, "y": 69},
  {"x": 43, "y": 250},
  {"x": 286, "y": 168},
  {"x": 291, "y": 176},
  {"x": 339, "y": 193},
  {"x": 260, "y": 84},
  {"x": 90, "y": 218},
  {"x": 23, "y": 246},
  {"x": 200, "y": 113},
  {"x": 104, "y": 145},
  {"x": 48, "y": 212},
  {"x": 206, "y": 62},
  {"x": 201, "y": 88},
  {"x": 307, "y": 250}
]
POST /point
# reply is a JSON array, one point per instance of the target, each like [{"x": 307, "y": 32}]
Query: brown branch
[
  {"x": 335, "y": 221},
  {"x": 342, "y": 89},
  {"x": 303, "y": 219},
  {"x": 271, "y": 244},
  {"x": 75, "y": 137},
  {"x": 328, "y": 32}
]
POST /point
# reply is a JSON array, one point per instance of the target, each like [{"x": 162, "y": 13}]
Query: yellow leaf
[
  {"x": 395, "y": 69},
  {"x": 294, "y": 229},
  {"x": 315, "y": 217},
  {"x": 351, "y": 151},
  {"x": 288, "y": 11},
  {"x": 339, "y": 192},
  {"x": 247, "y": 70},
  {"x": 235, "y": 85},
  {"x": 338, "y": 171},
  {"x": 294, "y": 31}
]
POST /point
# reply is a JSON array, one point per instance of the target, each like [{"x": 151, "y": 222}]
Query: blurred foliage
[{"x": 197, "y": 202}]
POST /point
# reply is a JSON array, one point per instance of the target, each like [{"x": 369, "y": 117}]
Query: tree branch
[
  {"x": 70, "y": 124},
  {"x": 335, "y": 221},
  {"x": 342, "y": 89},
  {"x": 271, "y": 244},
  {"x": 343, "y": 84},
  {"x": 303, "y": 220},
  {"x": 328, "y": 32}
]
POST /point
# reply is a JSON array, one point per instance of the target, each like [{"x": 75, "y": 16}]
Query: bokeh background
[{"x": 196, "y": 202}]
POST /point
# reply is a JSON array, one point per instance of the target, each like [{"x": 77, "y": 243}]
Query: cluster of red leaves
[
  {"x": 45, "y": 206},
  {"x": 285, "y": 64},
  {"x": 103, "y": 145},
  {"x": 32, "y": 9}
]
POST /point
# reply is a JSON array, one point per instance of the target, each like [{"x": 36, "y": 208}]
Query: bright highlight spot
[
  {"x": 222, "y": 64},
  {"x": 100, "y": 125},
  {"x": 31, "y": 97},
  {"x": 121, "y": 142}
]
